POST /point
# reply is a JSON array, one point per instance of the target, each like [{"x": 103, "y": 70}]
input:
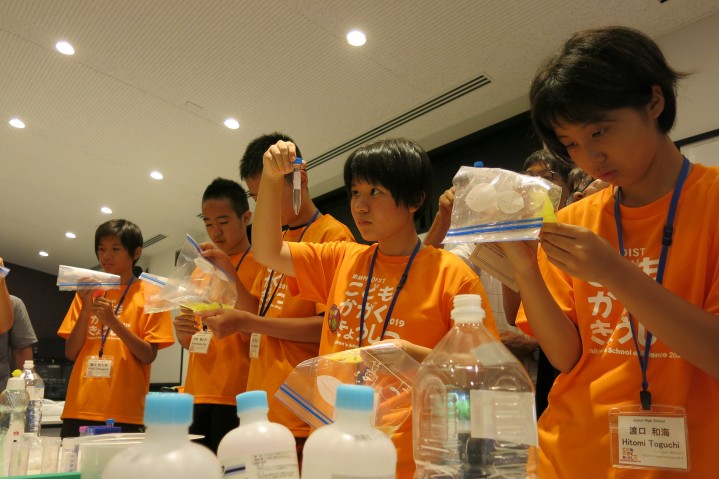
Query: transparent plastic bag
[
  {"x": 309, "y": 391},
  {"x": 70, "y": 278},
  {"x": 493, "y": 204},
  {"x": 198, "y": 283},
  {"x": 4, "y": 271},
  {"x": 152, "y": 285}
]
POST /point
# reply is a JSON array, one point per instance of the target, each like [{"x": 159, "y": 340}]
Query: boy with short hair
[{"x": 112, "y": 340}]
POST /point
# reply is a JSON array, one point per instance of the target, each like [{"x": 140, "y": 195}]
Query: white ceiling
[{"x": 153, "y": 80}]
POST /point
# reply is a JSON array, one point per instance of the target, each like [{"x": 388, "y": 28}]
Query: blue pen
[{"x": 296, "y": 184}]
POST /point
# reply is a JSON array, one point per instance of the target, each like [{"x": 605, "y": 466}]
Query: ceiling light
[
  {"x": 156, "y": 175},
  {"x": 65, "y": 48},
  {"x": 356, "y": 38},
  {"x": 106, "y": 210},
  {"x": 70, "y": 235},
  {"x": 43, "y": 254},
  {"x": 232, "y": 124},
  {"x": 17, "y": 123}
]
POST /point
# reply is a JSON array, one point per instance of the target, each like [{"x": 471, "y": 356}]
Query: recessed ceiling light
[
  {"x": 17, "y": 123},
  {"x": 232, "y": 124},
  {"x": 106, "y": 210},
  {"x": 43, "y": 254},
  {"x": 156, "y": 175},
  {"x": 65, "y": 48},
  {"x": 356, "y": 38},
  {"x": 70, "y": 234}
]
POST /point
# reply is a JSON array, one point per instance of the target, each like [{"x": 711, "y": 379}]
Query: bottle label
[
  {"x": 507, "y": 416},
  {"x": 35, "y": 393},
  {"x": 269, "y": 464}
]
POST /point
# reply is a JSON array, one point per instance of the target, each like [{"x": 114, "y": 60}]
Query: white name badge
[
  {"x": 655, "y": 439},
  {"x": 200, "y": 342},
  {"x": 99, "y": 367},
  {"x": 255, "y": 340}
]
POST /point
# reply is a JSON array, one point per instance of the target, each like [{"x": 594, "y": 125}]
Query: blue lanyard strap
[
  {"x": 400, "y": 285},
  {"x": 645, "y": 396},
  {"x": 117, "y": 309},
  {"x": 237, "y": 268},
  {"x": 265, "y": 303}
]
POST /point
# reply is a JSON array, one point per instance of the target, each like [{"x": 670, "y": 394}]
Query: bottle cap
[
  {"x": 29, "y": 364},
  {"x": 467, "y": 309},
  {"x": 16, "y": 384},
  {"x": 168, "y": 408},
  {"x": 479, "y": 164},
  {"x": 353, "y": 397},
  {"x": 16, "y": 373},
  {"x": 251, "y": 400}
]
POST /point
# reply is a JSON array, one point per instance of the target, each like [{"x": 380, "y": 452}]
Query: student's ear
[
  {"x": 138, "y": 252},
  {"x": 246, "y": 217},
  {"x": 304, "y": 178},
  {"x": 656, "y": 102}
]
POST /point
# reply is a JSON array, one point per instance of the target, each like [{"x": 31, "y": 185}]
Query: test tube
[{"x": 296, "y": 185}]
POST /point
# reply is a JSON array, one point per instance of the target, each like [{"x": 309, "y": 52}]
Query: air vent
[
  {"x": 153, "y": 240},
  {"x": 441, "y": 100}
]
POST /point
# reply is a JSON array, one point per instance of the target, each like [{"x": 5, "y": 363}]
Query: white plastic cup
[
  {"x": 50, "y": 454},
  {"x": 94, "y": 456},
  {"x": 19, "y": 453}
]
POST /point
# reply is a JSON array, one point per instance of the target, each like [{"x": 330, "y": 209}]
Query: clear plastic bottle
[
  {"x": 166, "y": 450},
  {"x": 36, "y": 389},
  {"x": 473, "y": 405},
  {"x": 14, "y": 402},
  {"x": 258, "y": 448},
  {"x": 350, "y": 447}
]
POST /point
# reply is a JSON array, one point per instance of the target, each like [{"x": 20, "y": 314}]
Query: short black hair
[
  {"x": 128, "y": 232},
  {"x": 560, "y": 166},
  {"x": 399, "y": 165},
  {"x": 251, "y": 162},
  {"x": 597, "y": 71},
  {"x": 222, "y": 188}
]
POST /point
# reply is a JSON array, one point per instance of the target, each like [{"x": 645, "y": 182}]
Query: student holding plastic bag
[
  {"x": 218, "y": 368},
  {"x": 624, "y": 293},
  {"x": 111, "y": 339},
  {"x": 401, "y": 289}
]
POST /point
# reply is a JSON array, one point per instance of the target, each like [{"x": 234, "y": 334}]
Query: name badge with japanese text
[
  {"x": 654, "y": 439},
  {"x": 200, "y": 342},
  {"x": 98, "y": 367},
  {"x": 255, "y": 340}
]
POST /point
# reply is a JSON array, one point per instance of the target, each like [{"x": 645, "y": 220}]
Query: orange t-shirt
[
  {"x": 574, "y": 430},
  {"x": 220, "y": 375},
  {"x": 122, "y": 396},
  {"x": 278, "y": 357},
  {"x": 336, "y": 273}
]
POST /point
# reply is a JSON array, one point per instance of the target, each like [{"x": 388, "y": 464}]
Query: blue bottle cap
[
  {"x": 251, "y": 400},
  {"x": 353, "y": 397},
  {"x": 168, "y": 408},
  {"x": 478, "y": 164}
]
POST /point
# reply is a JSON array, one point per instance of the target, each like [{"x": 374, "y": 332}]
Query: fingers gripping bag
[
  {"x": 4, "y": 271},
  {"x": 492, "y": 204},
  {"x": 198, "y": 283},
  {"x": 152, "y": 286},
  {"x": 70, "y": 278}
]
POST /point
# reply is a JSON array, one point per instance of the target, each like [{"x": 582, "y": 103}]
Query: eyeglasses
[{"x": 546, "y": 174}]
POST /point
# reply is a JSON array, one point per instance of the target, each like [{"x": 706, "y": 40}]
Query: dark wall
[
  {"x": 504, "y": 145},
  {"x": 45, "y": 305}
]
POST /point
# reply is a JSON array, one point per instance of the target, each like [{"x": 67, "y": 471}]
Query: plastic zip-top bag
[
  {"x": 198, "y": 283},
  {"x": 4, "y": 271},
  {"x": 70, "y": 278},
  {"x": 152, "y": 285},
  {"x": 492, "y": 204}
]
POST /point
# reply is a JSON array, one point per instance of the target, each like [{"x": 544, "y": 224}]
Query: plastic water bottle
[
  {"x": 166, "y": 450},
  {"x": 14, "y": 402},
  {"x": 350, "y": 447},
  {"x": 258, "y": 448},
  {"x": 473, "y": 405},
  {"x": 36, "y": 390}
]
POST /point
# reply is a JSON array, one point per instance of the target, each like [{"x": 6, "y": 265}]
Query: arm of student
[
  {"x": 185, "y": 327},
  {"x": 418, "y": 353},
  {"x": 20, "y": 355},
  {"x": 510, "y": 302},
  {"x": 268, "y": 246},
  {"x": 581, "y": 253},
  {"x": 6, "y": 314},
  {"x": 143, "y": 350},
  {"x": 224, "y": 322},
  {"x": 555, "y": 332},
  {"x": 76, "y": 339},
  {"x": 442, "y": 220},
  {"x": 520, "y": 345}
]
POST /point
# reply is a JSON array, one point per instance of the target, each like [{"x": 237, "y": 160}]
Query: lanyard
[
  {"x": 645, "y": 396},
  {"x": 400, "y": 285},
  {"x": 265, "y": 303},
  {"x": 117, "y": 308},
  {"x": 243, "y": 258}
]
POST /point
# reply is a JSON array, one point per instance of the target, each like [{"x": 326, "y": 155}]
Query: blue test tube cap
[
  {"x": 354, "y": 397},
  {"x": 479, "y": 164},
  {"x": 298, "y": 161},
  {"x": 168, "y": 408},
  {"x": 251, "y": 400}
]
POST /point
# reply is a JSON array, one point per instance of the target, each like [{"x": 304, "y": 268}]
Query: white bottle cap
[
  {"x": 29, "y": 364},
  {"x": 468, "y": 309}
]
